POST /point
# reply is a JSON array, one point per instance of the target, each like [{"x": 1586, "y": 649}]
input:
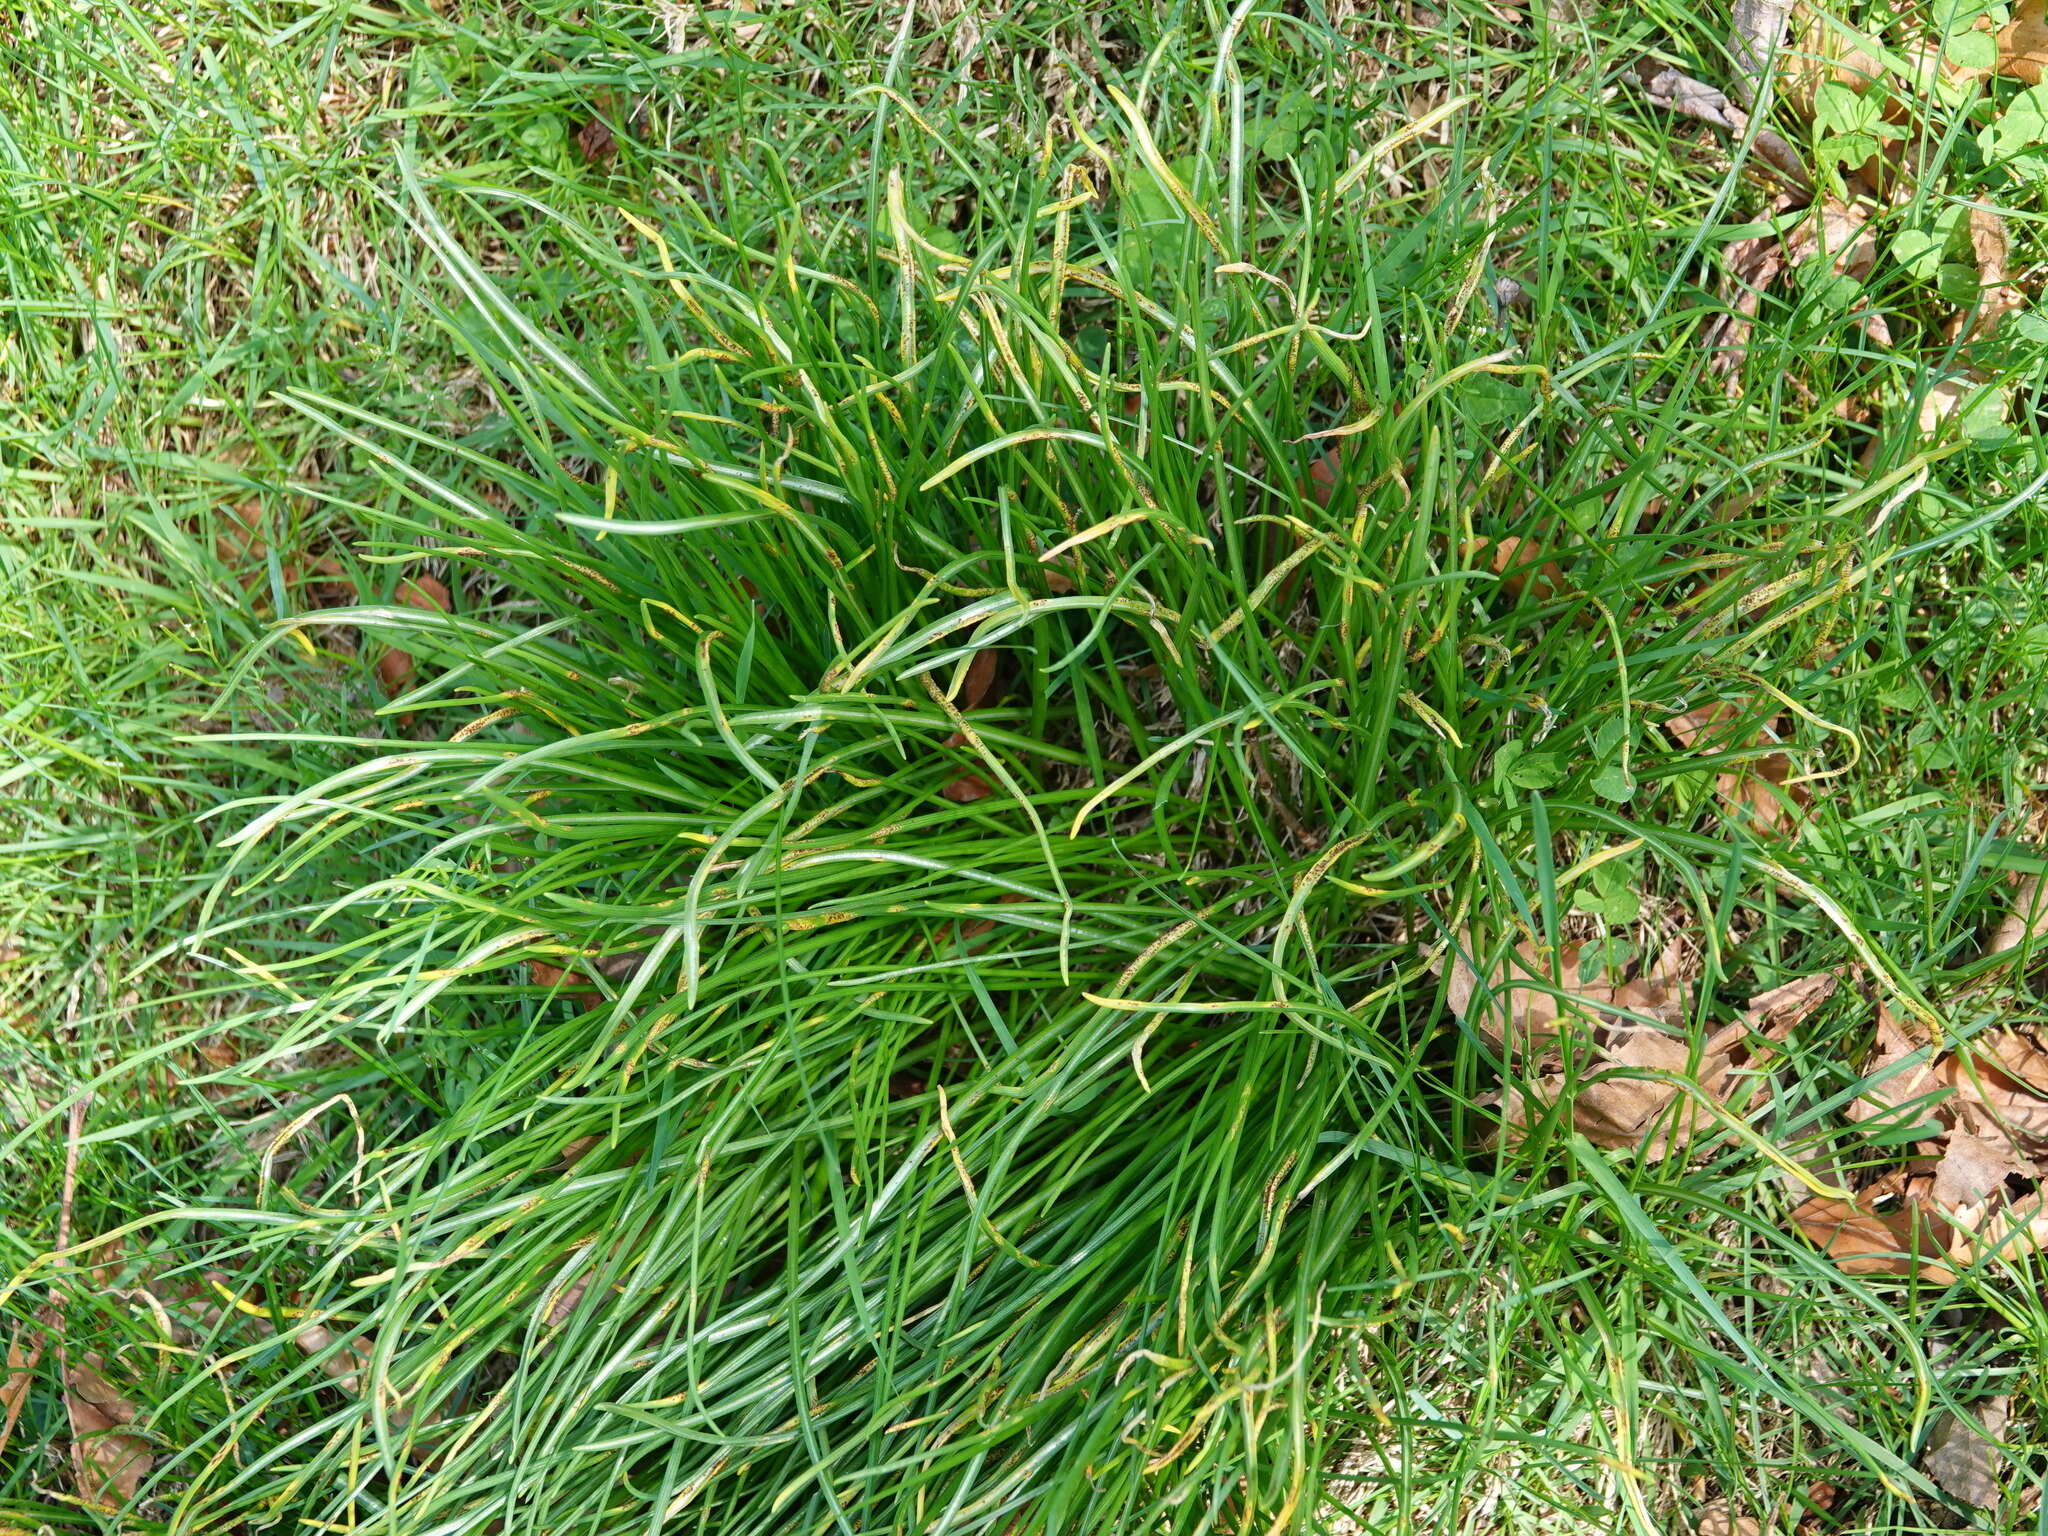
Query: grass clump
[{"x": 887, "y": 968}]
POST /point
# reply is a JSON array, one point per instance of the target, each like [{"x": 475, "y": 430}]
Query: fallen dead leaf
[
  {"x": 578, "y": 982},
  {"x": 1710, "y": 727},
  {"x": 1522, "y": 1005},
  {"x": 1845, "y": 231},
  {"x": 1520, "y": 566},
  {"x": 1825, "y": 50},
  {"x": 595, "y": 142},
  {"x": 241, "y": 544},
  {"x": 84, "y": 1380},
  {"x": 1943, "y": 399},
  {"x": 981, "y": 676},
  {"x": 2002, "y": 1226},
  {"x": 2023, "y": 42},
  {"x": 1972, "y": 1168},
  {"x": 1962, "y": 1457},
  {"x": 1996, "y": 296},
  {"x": 21, "y": 1367},
  {"x": 1764, "y": 794},
  {"x": 1759, "y": 792},
  {"x": 1716, "y": 1519},
  {"x": 1752, "y": 264},
  {"x": 395, "y": 666},
  {"x": 1681, "y": 93},
  {"x": 973, "y": 928},
  {"x": 974, "y": 688},
  {"x": 1322, "y": 477},
  {"x": 108, "y": 1463},
  {"x": 966, "y": 789},
  {"x": 1904, "y": 1240},
  {"x": 1820, "y": 1502},
  {"x": 349, "y": 1369},
  {"x": 562, "y": 1303},
  {"x": 2000, "y": 1083},
  {"x": 1755, "y": 35},
  {"x": 345, "y": 1367},
  {"x": 1847, "y": 234},
  {"x": 242, "y": 547},
  {"x": 1982, "y": 1106},
  {"x": 1791, "y": 1003},
  {"x": 1893, "y": 1084},
  {"x": 1613, "y": 1105},
  {"x": 2027, "y": 921}
]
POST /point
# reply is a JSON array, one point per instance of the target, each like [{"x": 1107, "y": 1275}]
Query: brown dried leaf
[
  {"x": 219, "y": 1052},
  {"x": 565, "y": 1301},
  {"x": 1520, "y": 566},
  {"x": 85, "y": 1381},
  {"x": 1758, "y": 792},
  {"x": 1613, "y": 1109},
  {"x": 1711, "y": 727},
  {"x": 595, "y": 142},
  {"x": 2001, "y": 1087},
  {"x": 545, "y": 975},
  {"x": 1612, "y": 1102},
  {"x": 21, "y": 1367},
  {"x": 1972, "y": 1169},
  {"x": 1514, "y": 1011},
  {"x": 1961, "y": 1454},
  {"x": 1904, "y": 1241},
  {"x": 2023, "y": 42},
  {"x": 1791, "y": 1004},
  {"x": 966, "y": 789},
  {"x": 582, "y": 991},
  {"x": 1943, "y": 399},
  {"x": 1820, "y": 1502},
  {"x": 349, "y": 1369},
  {"x": 1753, "y": 265},
  {"x": 2008, "y": 1228},
  {"x": 242, "y": 543},
  {"x": 1893, "y": 1084},
  {"x": 108, "y": 1464},
  {"x": 395, "y": 666},
  {"x": 973, "y": 928},
  {"x": 1996, "y": 297},
  {"x": 346, "y": 1365},
  {"x": 1680, "y": 93},
  {"x": 1756, "y": 32},
  {"x": 1848, "y": 235},
  {"x": 1716, "y": 1519},
  {"x": 1946, "y": 396},
  {"x": 243, "y": 547},
  {"x": 981, "y": 676},
  {"x": 1322, "y": 477},
  {"x": 2027, "y": 921}
]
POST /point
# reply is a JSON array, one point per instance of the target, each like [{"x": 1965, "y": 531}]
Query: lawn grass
[{"x": 712, "y": 1054}]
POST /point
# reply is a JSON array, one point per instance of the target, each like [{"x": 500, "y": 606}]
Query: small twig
[
  {"x": 53, "y": 1314},
  {"x": 74, "y": 1132}
]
